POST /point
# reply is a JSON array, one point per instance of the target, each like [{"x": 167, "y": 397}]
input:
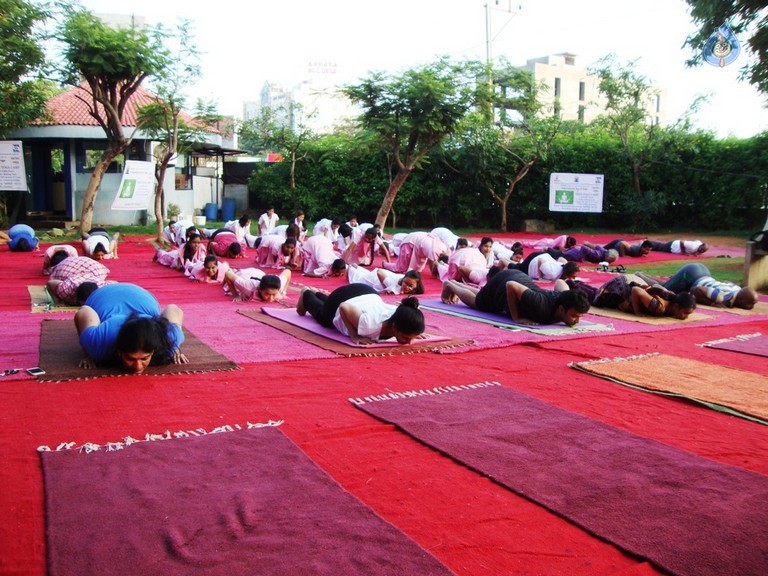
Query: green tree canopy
[
  {"x": 412, "y": 112},
  {"x": 22, "y": 97},
  {"x": 113, "y": 62}
]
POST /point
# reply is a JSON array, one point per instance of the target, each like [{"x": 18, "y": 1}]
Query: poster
[
  {"x": 136, "y": 186},
  {"x": 13, "y": 176},
  {"x": 576, "y": 192}
]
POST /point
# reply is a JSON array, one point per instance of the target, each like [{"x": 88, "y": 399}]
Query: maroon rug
[
  {"x": 684, "y": 513},
  {"x": 230, "y": 503}
]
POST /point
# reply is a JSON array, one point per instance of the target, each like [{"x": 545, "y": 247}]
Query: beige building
[{"x": 572, "y": 92}]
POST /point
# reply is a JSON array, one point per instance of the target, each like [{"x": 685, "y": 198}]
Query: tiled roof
[{"x": 69, "y": 109}]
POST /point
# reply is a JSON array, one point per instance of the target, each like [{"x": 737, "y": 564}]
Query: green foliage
[
  {"x": 411, "y": 113},
  {"x": 22, "y": 98},
  {"x": 748, "y": 20},
  {"x": 116, "y": 58}
]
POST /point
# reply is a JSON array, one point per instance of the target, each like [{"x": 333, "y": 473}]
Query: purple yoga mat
[
  {"x": 230, "y": 503},
  {"x": 684, "y": 513},
  {"x": 756, "y": 344},
  {"x": 308, "y": 323}
]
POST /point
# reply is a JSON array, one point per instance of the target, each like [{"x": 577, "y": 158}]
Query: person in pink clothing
[
  {"x": 254, "y": 284},
  {"x": 209, "y": 271},
  {"x": 224, "y": 244},
  {"x": 560, "y": 243},
  {"x": 363, "y": 247},
  {"x": 278, "y": 252},
  {"x": 417, "y": 250},
  {"x": 63, "y": 251},
  {"x": 180, "y": 258},
  {"x": 67, "y": 275},
  {"x": 319, "y": 258},
  {"x": 465, "y": 265}
]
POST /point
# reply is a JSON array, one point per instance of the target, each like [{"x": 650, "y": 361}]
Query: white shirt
[
  {"x": 374, "y": 313},
  {"x": 267, "y": 222}
]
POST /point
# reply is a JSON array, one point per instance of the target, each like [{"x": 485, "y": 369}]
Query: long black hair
[
  {"x": 408, "y": 319},
  {"x": 142, "y": 334}
]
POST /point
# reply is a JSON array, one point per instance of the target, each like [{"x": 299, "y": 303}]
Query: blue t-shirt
[
  {"x": 19, "y": 231},
  {"x": 115, "y": 304}
]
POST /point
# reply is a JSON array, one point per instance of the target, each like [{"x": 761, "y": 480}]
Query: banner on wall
[
  {"x": 136, "y": 186},
  {"x": 13, "y": 176},
  {"x": 576, "y": 192}
]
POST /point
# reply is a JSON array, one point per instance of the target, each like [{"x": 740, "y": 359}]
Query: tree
[
  {"x": 629, "y": 97},
  {"x": 164, "y": 120},
  {"x": 744, "y": 17},
  {"x": 113, "y": 63},
  {"x": 497, "y": 155},
  {"x": 284, "y": 130},
  {"x": 22, "y": 97},
  {"x": 412, "y": 113}
]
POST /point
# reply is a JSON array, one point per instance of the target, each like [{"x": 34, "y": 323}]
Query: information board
[
  {"x": 136, "y": 186},
  {"x": 576, "y": 192},
  {"x": 13, "y": 176}
]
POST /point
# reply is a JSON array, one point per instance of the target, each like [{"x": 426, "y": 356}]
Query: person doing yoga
[
  {"x": 123, "y": 324},
  {"x": 357, "y": 311}
]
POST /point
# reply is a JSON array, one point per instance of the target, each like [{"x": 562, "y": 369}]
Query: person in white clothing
[
  {"x": 383, "y": 280},
  {"x": 267, "y": 221},
  {"x": 355, "y": 310}
]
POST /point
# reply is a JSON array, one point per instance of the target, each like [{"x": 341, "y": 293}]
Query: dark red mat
[
  {"x": 242, "y": 502},
  {"x": 684, "y": 513}
]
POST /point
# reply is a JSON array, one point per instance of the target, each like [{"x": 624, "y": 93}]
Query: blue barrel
[
  {"x": 228, "y": 209},
  {"x": 211, "y": 211}
]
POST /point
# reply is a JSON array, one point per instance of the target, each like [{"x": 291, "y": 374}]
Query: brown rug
[
  {"x": 655, "y": 320},
  {"x": 42, "y": 301},
  {"x": 348, "y": 349},
  {"x": 736, "y": 392},
  {"x": 60, "y": 354}
]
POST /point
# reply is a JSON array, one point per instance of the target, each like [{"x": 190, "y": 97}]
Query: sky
[{"x": 246, "y": 44}]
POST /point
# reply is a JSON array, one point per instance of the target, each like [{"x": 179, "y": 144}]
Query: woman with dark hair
[
  {"x": 20, "y": 238},
  {"x": 99, "y": 245},
  {"x": 514, "y": 293},
  {"x": 123, "y": 324},
  {"x": 210, "y": 270},
  {"x": 357, "y": 311},
  {"x": 254, "y": 284},
  {"x": 184, "y": 257},
  {"x": 621, "y": 293},
  {"x": 383, "y": 280},
  {"x": 224, "y": 244}
]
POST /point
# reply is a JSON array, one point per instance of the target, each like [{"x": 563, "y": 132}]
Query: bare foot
[{"x": 300, "y": 310}]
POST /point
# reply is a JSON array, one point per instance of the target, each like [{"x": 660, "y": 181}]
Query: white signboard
[
  {"x": 12, "y": 173},
  {"x": 576, "y": 192},
  {"x": 136, "y": 186}
]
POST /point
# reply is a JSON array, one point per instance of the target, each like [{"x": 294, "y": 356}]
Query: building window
[
  {"x": 658, "y": 103},
  {"x": 582, "y": 91},
  {"x": 557, "y": 87},
  {"x": 556, "y": 111},
  {"x": 581, "y": 113}
]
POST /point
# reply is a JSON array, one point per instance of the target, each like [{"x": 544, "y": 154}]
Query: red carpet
[{"x": 469, "y": 523}]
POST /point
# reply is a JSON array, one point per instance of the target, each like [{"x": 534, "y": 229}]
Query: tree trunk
[
  {"x": 636, "y": 178},
  {"x": 89, "y": 200},
  {"x": 159, "y": 197},
  {"x": 389, "y": 197},
  {"x": 293, "y": 181},
  {"x": 503, "y": 207}
]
